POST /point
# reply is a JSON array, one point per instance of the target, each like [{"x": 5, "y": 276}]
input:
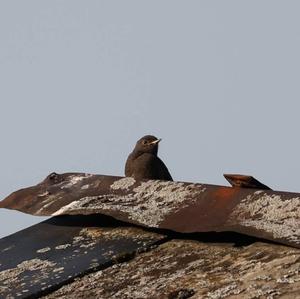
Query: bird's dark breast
[{"x": 146, "y": 166}]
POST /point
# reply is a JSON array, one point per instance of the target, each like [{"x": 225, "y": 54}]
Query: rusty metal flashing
[
  {"x": 245, "y": 181},
  {"x": 178, "y": 206}
]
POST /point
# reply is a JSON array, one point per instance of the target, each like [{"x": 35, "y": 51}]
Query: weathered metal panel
[
  {"x": 245, "y": 181},
  {"x": 45, "y": 256},
  {"x": 182, "y": 207},
  {"x": 184, "y": 269}
]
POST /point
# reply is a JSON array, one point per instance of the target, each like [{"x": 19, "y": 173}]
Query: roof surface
[{"x": 151, "y": 252}]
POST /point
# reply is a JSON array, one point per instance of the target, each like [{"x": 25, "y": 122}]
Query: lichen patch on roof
[
  {"x": 37, "y": 269},
  {"x": 276, "y": 216},
  {"x": 75, "y": 179},
  {"x": 43, "y": 250},
  {"x": 147, "y": 204},
  {"x": 67, "y": 252},
  {"x": 123, "y": 183},
  {"x": 202, "y": 270}
]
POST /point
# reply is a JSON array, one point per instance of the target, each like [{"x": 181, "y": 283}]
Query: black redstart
[{"x": 143, "y": 162}]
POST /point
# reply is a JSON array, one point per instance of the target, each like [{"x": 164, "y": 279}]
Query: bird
[{"x": 143, "y": 162}]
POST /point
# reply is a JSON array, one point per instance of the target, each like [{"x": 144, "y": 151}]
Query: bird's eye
[{"x": 145, "y": 141}]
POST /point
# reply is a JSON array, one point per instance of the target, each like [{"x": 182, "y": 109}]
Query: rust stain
[
  {"x": 208, "y": 213},
  {"x": 223, "y": 195}
]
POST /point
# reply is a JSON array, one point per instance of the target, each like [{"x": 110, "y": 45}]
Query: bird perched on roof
[{"x": 143, "y": 162}]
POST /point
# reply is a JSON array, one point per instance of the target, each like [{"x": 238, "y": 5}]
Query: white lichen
[
  {"x": 70, "y": 207},
  {"x": 123, "y": 183},
  {"x": 75, "y": 179},
  {"x": 8, "y": 248},
  {"x": 84, "y": 187},
  {"x": 46, "y": 203},
  {"x": 43, "y": 250},
  {"x": 270, "y": 213},
  {"x": 63, "y": 246},
  {"x": 60, "y": 269},
  {"x": 9, "y": 275},
  {"x": 147, "y": 204},
  {"x": 223, "y": 292},
  {"x": 43, "y": 194}
]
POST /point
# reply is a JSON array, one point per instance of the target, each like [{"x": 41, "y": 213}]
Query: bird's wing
[
  {"x": 164, "y": 171},
  {"x": 129, "y": 165},
  {"x": 153, "y": 167}
]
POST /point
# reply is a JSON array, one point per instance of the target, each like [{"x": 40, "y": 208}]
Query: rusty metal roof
[
  {"x": 165, "y": 240},
  {"x": 177, "y": 206}
]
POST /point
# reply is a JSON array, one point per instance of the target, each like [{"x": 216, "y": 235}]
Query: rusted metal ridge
[{"x": 177, "y": 206}]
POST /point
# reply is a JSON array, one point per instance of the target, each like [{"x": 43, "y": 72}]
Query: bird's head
[{"x": 147, "y": 144}]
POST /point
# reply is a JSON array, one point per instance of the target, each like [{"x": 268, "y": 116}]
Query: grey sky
[{"x": 81, "y": 81}]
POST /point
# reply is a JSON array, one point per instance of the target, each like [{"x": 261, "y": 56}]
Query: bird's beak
[{"x": 155, "y": 141}]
